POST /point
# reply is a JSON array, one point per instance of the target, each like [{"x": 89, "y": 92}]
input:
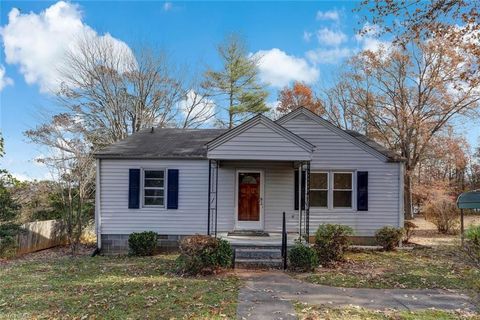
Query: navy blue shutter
[
  {"x": 172, "y": 189},
  {"x": 134, "y": 189},
  {"x": 362, "y": 190},
  {"x": 296, "y": 189}
]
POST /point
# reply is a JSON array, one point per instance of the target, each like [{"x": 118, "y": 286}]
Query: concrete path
[{"x": 269, "y": 295}]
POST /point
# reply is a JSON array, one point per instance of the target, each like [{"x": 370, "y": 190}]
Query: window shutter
[
  {"x": 296, "y": 189},
  {"x": 134, "y": 189},
  {"x": 362, "y": 190},
  {"x": 172, "y": 189}
]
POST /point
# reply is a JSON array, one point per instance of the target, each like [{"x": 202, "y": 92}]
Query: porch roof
[{"x": 260, "y": 139}]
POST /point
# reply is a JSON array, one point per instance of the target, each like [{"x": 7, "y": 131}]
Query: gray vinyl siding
[
  {"x": 278, "y": 194},
  {"x": 259, "y": 143},
  {"x": 189, "y": 218},
  {"x": 334, "y": 152}
]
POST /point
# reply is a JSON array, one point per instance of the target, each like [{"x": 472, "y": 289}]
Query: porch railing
[{"x": 284, "y": 242}]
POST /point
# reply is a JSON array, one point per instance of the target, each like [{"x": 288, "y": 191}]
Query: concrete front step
[
  {"x": 258, "y": 257},
  {"x": 258, "y": 263},
  {"x": 258, "y": 253}
]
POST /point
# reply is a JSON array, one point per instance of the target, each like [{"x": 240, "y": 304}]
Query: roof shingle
[{"x": 162, "y": 143}]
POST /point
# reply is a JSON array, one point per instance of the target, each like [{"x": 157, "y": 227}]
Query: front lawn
[
  {"x": 439, "y": 267},
  {"x": 309, "y": 312},
  {"x": 113, "y": 288}
]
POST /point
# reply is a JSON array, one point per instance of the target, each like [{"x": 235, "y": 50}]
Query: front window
[
  {"x": 154, "y": 188},
  {"x": 342, "y": 190},
  {"x": 319, "y": 189}
]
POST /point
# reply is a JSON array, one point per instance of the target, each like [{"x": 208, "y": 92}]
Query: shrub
[
  {"x": 9, "y": 229},
  {"x": 472, "y": 244},
  {"x": 8, "y": 240},
  {"x": 8, "y": 247},
  {"x": 142, "y": 243},
  {"x": 443, "y": 213},
  {"x": 302, "y": 257},
  {"x": 389, "y": 237},
  {"x": 203, "y": 255},
  {"x": 409, "y": 228},
  {"x": 331, "y": 241}
]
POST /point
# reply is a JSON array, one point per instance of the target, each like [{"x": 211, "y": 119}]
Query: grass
[
  {"x": 308, "y": 312},
  {"x": 113, "y": 288},
  {"x": 442, "y": 267}
]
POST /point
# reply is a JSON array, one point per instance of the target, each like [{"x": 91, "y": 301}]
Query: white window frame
[
  {"x": 154, "y": 188},
  {"x": 351, "y": 189},
  {"x": 328, "y": 189}
]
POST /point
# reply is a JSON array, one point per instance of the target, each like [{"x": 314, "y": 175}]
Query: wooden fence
[{"x": 40, "y": 235}]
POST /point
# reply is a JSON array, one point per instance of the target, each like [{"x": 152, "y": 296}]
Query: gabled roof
[
  {"x": 356, "y": 138},
  {"x": 287, "y": 134},
  {"x": 162, "y": 143}
]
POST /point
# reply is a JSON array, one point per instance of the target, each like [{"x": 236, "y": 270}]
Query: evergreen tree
[{"x": 236, "y": 85}]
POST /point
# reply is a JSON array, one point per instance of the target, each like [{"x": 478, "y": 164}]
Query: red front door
[{"x": 249, "y": 196}]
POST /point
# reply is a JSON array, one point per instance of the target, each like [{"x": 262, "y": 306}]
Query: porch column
[
  {"x": 212, "y": 196},
  {"x": 304, "y": 211}
]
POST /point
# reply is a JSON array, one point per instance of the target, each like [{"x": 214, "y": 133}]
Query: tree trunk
[{"x": 408, "y": 205}]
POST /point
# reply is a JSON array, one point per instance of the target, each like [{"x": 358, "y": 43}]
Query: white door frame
[{"x": 250, "y": 225}]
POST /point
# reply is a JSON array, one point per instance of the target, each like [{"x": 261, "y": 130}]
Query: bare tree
[
  {"x": 197, "y": 108},
  {"x": 116, "y": 93},
  {"x": 407, "y": 95},
  {"x": 418, "y": 19},
  {"x": 69, "y": 157}
]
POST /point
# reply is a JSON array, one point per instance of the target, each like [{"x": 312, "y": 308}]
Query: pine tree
[{"x": 236, "y": 85}]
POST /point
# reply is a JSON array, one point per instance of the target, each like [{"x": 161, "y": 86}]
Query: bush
[
  {"x": 302, "y": 257},
  {"x": 409, "y": 228},
  {"x": 472, "y": 244},
  {"x": 203, "y": 255},
  {"x": 9, "y": 229},
  {"x": 389, "y": 237},
  {"x": 8, "y": 247},
  {"x": 443, "y": 213},
  {"x": 142, "y": 243},
  {"x": 331, "y": 241}
]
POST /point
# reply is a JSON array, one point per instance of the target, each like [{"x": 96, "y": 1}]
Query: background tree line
[{"x": 408, "y": 96}]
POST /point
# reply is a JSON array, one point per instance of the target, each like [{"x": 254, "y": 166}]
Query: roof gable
[
  {"x": 307, "y": 146},
  {"x": 354, "y": 137},
  {"x": 259, "y": 139}
]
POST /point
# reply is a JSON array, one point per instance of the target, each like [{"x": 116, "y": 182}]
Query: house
[{"x": 180, "y": 182}]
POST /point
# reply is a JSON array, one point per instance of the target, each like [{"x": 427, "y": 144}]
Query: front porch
[
  {"x": 251, "y": 197},
  {"x": 259, "y": 172}
]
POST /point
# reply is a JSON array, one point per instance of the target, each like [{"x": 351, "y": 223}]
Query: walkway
[{"x": 269, "y": 295}]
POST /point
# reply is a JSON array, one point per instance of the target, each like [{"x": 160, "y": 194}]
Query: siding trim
[
  {"x": 401, "y": 200},
  {"x": 98, "y": 229}
]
